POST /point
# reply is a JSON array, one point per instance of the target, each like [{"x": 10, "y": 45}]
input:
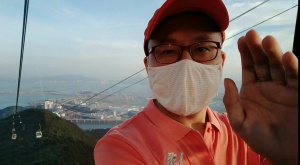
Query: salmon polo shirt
[{"x": 152, "y": 138}]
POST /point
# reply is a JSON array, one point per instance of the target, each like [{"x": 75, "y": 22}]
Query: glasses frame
[{"x": 182, "y": 48}]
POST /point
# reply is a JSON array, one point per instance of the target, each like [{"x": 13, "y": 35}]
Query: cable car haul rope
[{"x": 15, "y": 110}]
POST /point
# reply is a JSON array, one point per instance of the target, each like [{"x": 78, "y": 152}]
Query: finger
[
  {"x": 290, "y": 63},
  {"x": 248, "y": 72},
  {"x": 233, "y": 107},
  {"x": 261, "y": 62},
  {"x": 274, "y": 53}
]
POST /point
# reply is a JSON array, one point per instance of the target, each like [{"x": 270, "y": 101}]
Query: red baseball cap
[{"x": 215, "y": 9}]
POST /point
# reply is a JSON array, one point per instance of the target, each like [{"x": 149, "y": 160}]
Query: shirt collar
[
  {"x": 171, "y": 127},
  {"x": 213, "y": 119}
]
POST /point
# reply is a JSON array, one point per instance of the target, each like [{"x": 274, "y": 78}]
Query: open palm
[{"x": 265, "y": 111}]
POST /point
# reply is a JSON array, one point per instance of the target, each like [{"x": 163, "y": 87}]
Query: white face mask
[{"x": 185, "y": 87}]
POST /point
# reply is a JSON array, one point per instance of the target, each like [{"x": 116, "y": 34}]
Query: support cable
[
  {"x": 122, "y": 89},
  {"x": 296, "y": 49},
  {"x": 225, "y": 39},
  {"x": 25, "y": 15},
  {"x": 22, "y": 49},
  {"x": 230, "y": 21},
  {"x": 261, "y": 22},
  {"x": 248, "y": 11},
  {"x": 108, "y": 88}
]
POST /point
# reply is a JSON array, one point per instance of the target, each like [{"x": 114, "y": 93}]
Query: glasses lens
[
  {"x": 204, "y": 51},
  {"x": 167, "y": 54}
]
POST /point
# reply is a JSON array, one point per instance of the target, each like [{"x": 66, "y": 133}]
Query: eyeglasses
[{"x": 200, "y": 52}]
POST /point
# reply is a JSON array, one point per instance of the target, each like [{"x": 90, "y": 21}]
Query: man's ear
[
  {"x": 146, "y": 63},
  {"x": 223, "y": 58}
]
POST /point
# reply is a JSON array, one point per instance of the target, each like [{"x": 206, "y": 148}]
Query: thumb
[{"x": 232, "y": 105}]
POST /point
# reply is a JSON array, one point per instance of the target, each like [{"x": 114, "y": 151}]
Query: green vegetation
[{"x": 62, "y": 142}]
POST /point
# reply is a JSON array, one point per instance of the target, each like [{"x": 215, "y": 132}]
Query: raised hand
[{"x": 265, "y": 111}]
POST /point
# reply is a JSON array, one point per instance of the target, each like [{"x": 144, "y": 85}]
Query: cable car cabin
[
  {"x": 38, "y": 134},
  {"x": 14, "y": 136}
]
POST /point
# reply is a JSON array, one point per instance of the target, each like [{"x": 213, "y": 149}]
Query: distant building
[
  {"x": 59, "y": 107},
  {"x": 48, "y": 104},
  {"x": 57, "y": 114}
]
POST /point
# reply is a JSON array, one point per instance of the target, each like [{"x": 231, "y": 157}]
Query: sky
[{"x": 104, "y": 38}]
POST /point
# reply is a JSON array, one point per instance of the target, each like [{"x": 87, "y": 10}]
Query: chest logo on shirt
[{"x": 172, "y": 158}]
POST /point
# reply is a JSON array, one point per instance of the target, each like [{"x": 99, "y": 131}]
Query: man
[{"x": 184, "y": 61}]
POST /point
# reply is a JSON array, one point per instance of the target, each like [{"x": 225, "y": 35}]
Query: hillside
[
  {"x": 9, "y": 111},
  {"x": 62, "y": 142}
]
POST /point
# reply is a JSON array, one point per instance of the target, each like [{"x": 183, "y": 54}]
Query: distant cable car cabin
[
  {"x": 14, "y": 135},
  {"x": 38, "y": 133}
]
